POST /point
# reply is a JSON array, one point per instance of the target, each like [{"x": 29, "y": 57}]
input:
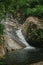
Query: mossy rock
[{"x": 33, "y": 31}]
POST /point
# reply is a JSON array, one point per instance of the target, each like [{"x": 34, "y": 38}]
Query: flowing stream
[
  {"x": 24, "y": 56},
  {"x": 19, "y": 34},
  {"x": 22, "y": 39}
]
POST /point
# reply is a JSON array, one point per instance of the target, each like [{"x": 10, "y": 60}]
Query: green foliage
[
  {"x": 34, "y": 33},
  {"x": 37, "y": 11},
  {"x": 28, "y": 7},
  {"x": 1, "y": 29},
  {"x": 2, "y": 61},
  {"x": 1, "y": 33}
]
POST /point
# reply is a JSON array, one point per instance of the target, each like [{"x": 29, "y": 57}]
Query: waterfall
[{"x": 22, "y": 39}]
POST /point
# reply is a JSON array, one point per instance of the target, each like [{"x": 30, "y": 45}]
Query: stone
[{"x": 33, "y": 31}]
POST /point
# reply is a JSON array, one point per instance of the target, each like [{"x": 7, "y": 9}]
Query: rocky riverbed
[{"x": 24, "y": 56}]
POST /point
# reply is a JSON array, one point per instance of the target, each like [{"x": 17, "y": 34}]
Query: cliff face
[{"x": 33, "y": 30}]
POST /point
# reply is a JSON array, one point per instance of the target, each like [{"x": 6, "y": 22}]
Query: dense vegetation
[
  {"x": 24, "y": 7},
  {"x": 1, "y": 34}
]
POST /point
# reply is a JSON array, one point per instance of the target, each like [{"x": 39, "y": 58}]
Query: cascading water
[{"x": 22, "y": 39}]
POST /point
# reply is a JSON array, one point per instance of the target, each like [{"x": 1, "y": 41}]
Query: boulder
[{"x": 33, "y": 31}]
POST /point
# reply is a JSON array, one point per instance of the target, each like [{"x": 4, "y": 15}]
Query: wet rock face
[
  {"x": 24, "y": 57},
  {"x": 33, "y": 31}
]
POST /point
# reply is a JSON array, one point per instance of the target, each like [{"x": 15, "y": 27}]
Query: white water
[{"x": 22, "y": 39}]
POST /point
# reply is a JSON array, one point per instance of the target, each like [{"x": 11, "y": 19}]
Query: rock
[
  {"x": 2, "y": 51},
  {"x": 39, "y": 63},
  {"x": 24, "y": 57},
  {"x": 33, "y": 31}
]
